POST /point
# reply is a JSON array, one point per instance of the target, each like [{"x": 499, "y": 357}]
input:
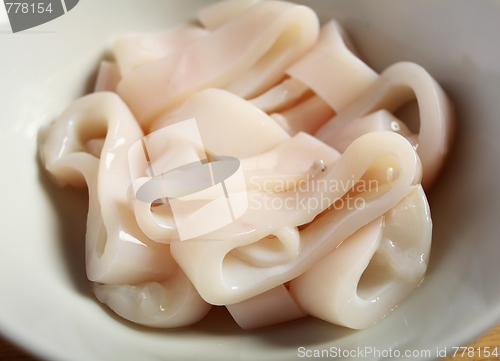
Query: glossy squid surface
[{"x": 323, "y": 182}]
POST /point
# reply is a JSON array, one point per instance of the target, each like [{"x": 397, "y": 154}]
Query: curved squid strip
[
  {"x": 271, "y": 66},
  {"x": 222, "y": 278},
  {"x": 155, "y": 154},
  {"x": 263, "y": 41},
  {"x": 380, "y": 120},
  {"x": 167, "y": 304},
  {"x": 332, "y": 70},
  {"x": 216, "y": 15},
  {"x": 108, "y": 77},
  {"x": 280, "y": 96},
  {"x": 117, "y": 251},
  {"x": 269, "y": 308},
  {"x": 307, "y": 116},
  {"x": 279, "y": 247},
  {"x": 398, "y": 84},
  {"x": 291, "y": 162},
  {"x": 134, "y": 50},
  {"x": 155, "y": 220},
  {"x": 237, "y": 129},
  {"x": 296, "y": 160},
  {"x": 165, "y": 149},
  {"x": 373, "y": 270}
]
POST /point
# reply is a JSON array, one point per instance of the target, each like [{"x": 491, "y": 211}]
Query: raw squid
[
  {"x": 134, "y": 50},
  {"x": 268, "y": 308},
  {"x": 332, "y": 221},
  {"x": 332, "y": 70},
  {"x": 108, "y": 77},
  {"x": 372, "y": 270},
  {"x": 254, "y": 131},
  {"x": 168, "y": 304},
  {"x": 398, "y": 84},
  {"x": 213, "y": 16},
  {"x": 223, "y": 277},
  {"x": 117, "y": 251},
  {"x": 253, "y": 51}
]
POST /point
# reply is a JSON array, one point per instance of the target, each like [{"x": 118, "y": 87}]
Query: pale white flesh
[
  {"x": 332, "y": 70},
  {"x": 280, "y": 96},
  {"x": 117, "y": 251},
  {"x": 269, "y": 308},
  {"x": 289, "y": 164},
  {"x": 236, "y": 129},
  {"x": 268, "y": 52},
  {"x": 271, "y": 36},
  {"x": 134, "y": 50},
  {"x": 380, "y": 120},
  {"x": 396, "y": 85},
  {"x": 219, "y": 13},
  {"x": 222, "y": 277},
  {"x": 373, "y": 270},
  {"x": 108, "y": 77},
  {"x": 306, "y": 116},
  {"x": 171, "y": 303}
]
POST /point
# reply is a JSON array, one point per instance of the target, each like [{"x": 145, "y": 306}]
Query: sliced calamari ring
[
  {"x": 222, "y": 278},
  {"x": 398, "y": 84},
  {"x": 284, "y": 167},
  {"x": 237, "y": 129},
  {"x": 332, "y": 70},
  {"x": 373, "y": 270},
  {"x": 155, "y": 218},
  {"x": 300, "y": 159},
  {"x": 134, "y": 50},
  {"x": 117, "y": 251},
  {"x": 167, "y": 304},
  {"x": 248, "y": 54}
]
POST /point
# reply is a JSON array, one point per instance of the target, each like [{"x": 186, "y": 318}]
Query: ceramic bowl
[{"x": 45, "y": 302}]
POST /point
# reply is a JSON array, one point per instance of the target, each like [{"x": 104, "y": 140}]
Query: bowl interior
[{"x": 46, "y": 304}]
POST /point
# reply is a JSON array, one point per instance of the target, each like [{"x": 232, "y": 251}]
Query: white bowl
[{"x": 46, "y": 305}]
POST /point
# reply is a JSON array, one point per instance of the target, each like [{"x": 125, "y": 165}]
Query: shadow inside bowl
[
  {"x": 218, "y": 323},
  {"x": 70, "y": 206}
]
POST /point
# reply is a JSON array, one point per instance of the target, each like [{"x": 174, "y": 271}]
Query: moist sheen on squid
[
  {"x": 157, "y": 86},
  {"x": 323, "y": 210},
  {"x": 372, "y": 271},
  {"x": 222, "y": 277}
]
